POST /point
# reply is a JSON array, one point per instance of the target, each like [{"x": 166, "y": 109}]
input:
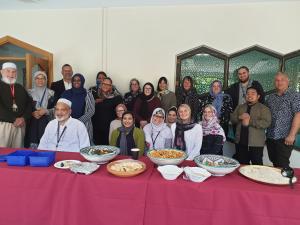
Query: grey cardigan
[{"x": 260, "y": 119}]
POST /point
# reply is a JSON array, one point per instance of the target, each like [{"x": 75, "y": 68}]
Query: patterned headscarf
[{"x": 212, "y": 126}]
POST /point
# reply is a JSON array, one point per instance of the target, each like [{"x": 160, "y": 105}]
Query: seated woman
[
  {"x": 171, "y": 116},
  {"x": 83, "y": 104},
  {"x": 167, "y": 97},
  {"x": 131, "y": 96},
  {"x": 116, "y": 123},
  {"x": 128, "y": 136},
  {"x": 145, "y": 104},
  {"x": 187, "y": 134},
  {"x": 158, "y": 135},
  {"x": 43, "y": 103},
  {"x": 213, "y": 133},
  {"x": 220, "y": 101}
]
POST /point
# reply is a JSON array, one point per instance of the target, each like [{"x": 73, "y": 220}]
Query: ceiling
[{"x": 75, "y": 4}]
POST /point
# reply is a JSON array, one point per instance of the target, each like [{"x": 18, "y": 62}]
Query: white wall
[
  {"x": 143, "y": 42},
  {"x": 73, "y": 36}
]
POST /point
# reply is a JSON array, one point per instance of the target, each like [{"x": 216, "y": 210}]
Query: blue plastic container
[
  {"x": 19, "y": 158},
  {"x": 42, "y": 158}
]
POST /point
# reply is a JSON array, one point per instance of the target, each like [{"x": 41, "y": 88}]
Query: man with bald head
[
  {"x": 64, "y": 133},
  {"x": 285, "y": 110},
  {"x": 15, "y": 108}
]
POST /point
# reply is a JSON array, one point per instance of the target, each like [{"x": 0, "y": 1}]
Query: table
[{"x": 42, "y": 196}]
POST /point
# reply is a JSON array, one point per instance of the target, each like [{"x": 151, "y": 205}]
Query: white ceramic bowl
[
  {"x": 227, "y": 167},
  {"x": 170, "y": 172},
  {"x": 196, "y": 174},
  {"x": 88, "y": 153},
  {"x": 166, "y": 161}
]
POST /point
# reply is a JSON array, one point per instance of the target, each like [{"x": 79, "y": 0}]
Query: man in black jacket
[
  {"x": 238, "y": 90},
  {"x": 15, "y": 108},
  {"x": 64, "y": 84}
]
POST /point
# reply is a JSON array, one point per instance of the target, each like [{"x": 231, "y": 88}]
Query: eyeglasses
[{"x": 208, "y": 112}]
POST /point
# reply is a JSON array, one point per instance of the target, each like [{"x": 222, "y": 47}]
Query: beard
[
  {"x": 245, "y": 81},
  {"x": 8, "y": 81},
  {"x": 61, "y": 118}
]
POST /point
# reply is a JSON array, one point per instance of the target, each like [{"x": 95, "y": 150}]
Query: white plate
[
  {"x": 265, "y": 174},
  {"x": 65, "y": 164}
]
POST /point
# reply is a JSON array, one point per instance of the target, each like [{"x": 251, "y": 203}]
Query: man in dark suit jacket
[
  {"x": 64, "y": 84},
  {"x": 237, "y": 91}
]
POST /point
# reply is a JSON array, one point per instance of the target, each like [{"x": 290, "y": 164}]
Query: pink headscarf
[{"x": 212, "y": 126}]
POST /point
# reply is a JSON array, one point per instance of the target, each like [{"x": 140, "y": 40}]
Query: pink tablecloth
[
  {"x": 35, "y": 196},
  {"x": 231, "y": 199}
]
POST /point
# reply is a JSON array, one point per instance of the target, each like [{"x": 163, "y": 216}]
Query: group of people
[{"x": 68, "y": 117}]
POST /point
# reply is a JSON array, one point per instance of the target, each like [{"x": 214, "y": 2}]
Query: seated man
[{"x": 64, "y": 133}]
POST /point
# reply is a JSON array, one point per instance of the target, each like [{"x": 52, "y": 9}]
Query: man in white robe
[{"x": 64, "y": 133}]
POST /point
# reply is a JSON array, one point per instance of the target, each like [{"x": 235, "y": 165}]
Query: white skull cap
[
  {"x": 66, "y": 101},
  {"x": 9, "y": 65}
]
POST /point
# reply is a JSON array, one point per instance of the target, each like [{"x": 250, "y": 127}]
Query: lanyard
[
  {"x": 59, "y": 136},
  {"x": 153, "y": 141},
  {"x": 12, "y": 91},
  {"x": 40, "y": 102}
]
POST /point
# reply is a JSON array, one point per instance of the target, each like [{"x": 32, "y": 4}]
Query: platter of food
[
  {"x": 100, "y": 154},
  {"x": 65, "y": 164},
  {"x": 217, "y": 165},
  {"x": 265, "y": 174},
  {"x": 166, "y": 156},
  {"x": 126, "y": 167}
]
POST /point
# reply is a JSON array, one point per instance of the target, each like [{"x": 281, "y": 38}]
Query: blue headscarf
[
  {"x": 218, "y": 98},
  {"x": 77, "y": 97}
]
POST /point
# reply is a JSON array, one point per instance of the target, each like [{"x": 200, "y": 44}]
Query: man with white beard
[
  {"x": 64, "y": 133},
  {"x": 15, "y": 108}
]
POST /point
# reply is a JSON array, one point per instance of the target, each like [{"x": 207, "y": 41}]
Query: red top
[{"x": 152, "y": 104}]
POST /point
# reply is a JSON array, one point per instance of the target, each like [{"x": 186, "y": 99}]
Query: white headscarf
[
  {"x": 37, "y": 93},
  {"x": 158, "y": 136},
  {"x": 158, "y": 128}
]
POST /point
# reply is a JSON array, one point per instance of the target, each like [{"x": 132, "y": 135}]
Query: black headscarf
[{"x": 144, "y": 106}]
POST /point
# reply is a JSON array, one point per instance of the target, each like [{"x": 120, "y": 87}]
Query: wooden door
[{"x": 37, "y": 63}]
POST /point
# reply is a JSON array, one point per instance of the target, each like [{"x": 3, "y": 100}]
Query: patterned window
[
  {"x": 204, "y": 65},
  {"x": 262, "y": 63},
  {"x": 292, "y": 68}
]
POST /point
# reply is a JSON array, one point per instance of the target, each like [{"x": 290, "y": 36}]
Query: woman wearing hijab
[
  {"x": 187, "y": 94},
  {"x": 220, "y": 101},
  {"x": 187, "y": 134},
  {"x": 83, "y": 104},
  {"x": 145, "y": 104},
  {"x": 43, "y": 103},
  {"x": 158, "y": 135},
  {"x": 171, "y": 116},
  {"x": 131, "y": 96},
  {"x": 167, "y": 97},
  {"x": 116, "y": 123},
  {"x": 128, "y": 136},
  {"x": 213, "y": 133},
  {"x": 105, "y": 105}
]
